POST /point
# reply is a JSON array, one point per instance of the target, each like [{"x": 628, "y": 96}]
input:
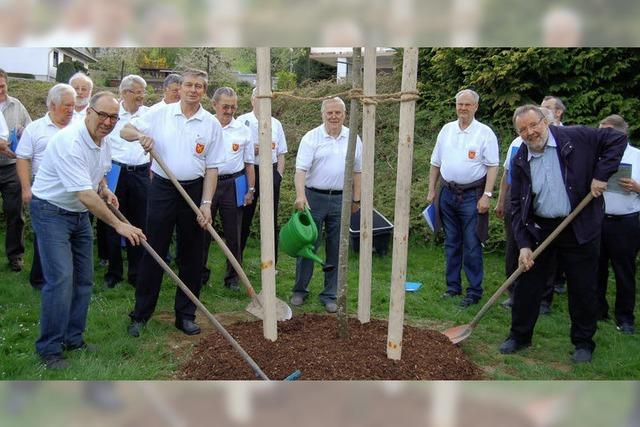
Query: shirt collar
[
  {"x": 233, "y": 124},
  {"x": 177, "y": 111},
  {"x": 551, "y": 142},
  {"x": 124, "y": 112},
  {"x": 86, "y": 137},
  {"x": 325, "y": 134},
  {"x": 468, "y": 129}
]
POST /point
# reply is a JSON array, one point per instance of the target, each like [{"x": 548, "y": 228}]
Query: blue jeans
[
  {"x": 66, "y": 251},
  {"x": 326, "y": 210},
  {"x": 462, "y": 247}
]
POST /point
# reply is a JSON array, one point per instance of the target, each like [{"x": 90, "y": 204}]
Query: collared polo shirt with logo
[
  {"x": 34, "y": 140},
  {"x": 278, "y": 140},
  {"x": 123, "y": 151},
  {"x": 238, "y": 147}
]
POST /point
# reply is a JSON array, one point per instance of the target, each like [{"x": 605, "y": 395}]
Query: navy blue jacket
[{"x": 585, "y": 154}]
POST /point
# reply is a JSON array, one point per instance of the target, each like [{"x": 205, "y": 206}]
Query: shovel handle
[
  {"x": 587, "y": 199},
  {"x": 195, "y": 300},
  {"x": 232, "y": 259}
]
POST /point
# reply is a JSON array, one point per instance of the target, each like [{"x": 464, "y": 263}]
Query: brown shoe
[{"x": 16, "y": 264}]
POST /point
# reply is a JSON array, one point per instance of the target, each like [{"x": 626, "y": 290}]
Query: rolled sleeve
[
  {"x": 215, "y": 155},
  {"x": 304, "y": 158},
  {"x": 25, "y": 145},
  {"x": 282, "y": 140},
  {"x": 491, "y": 151},
  {"x": 73, "y": 172}
]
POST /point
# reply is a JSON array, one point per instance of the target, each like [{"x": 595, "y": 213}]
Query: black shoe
[
  {"x": 232, "y": 286},
  {"x": 89, "y": 348},
  {"x": 512, "y": 346},
  {"x": 467, "y": 301},
  {"x": 626, "y": 328},
  {"x": 545, "y": 309},
  {"x": 451, "y": 294},
  {"x": 206, "y": 273},
  {"x": 55, "y": 362},
  {"x": 135, "y": 328},
  {"x": 16, "y": 264},
  {"x": 581, "y": 355},
  {"x": 110, "y": 282},
  {"x": 189, "y": 327}
]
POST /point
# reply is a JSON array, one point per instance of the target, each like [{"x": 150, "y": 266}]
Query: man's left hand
[
  {"x": 629, "y": 185},
  {"x": 248, "y": 198},
  {"x": 483, "y": 204},
  {"x": 598, "y": 187},
  {"x": 110, "y": 198},
  {"x": 204, "y": 218}
]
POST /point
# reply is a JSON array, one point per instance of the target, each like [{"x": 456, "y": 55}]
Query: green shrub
[{"x": 65, "y": 71}]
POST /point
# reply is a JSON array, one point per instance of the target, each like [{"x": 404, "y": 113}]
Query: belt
[
  {"x": 617, "y": 217},
  {"x": 231, "y": 175},
  {"x": 184, "y": 182},
  {"x": 131, "y": 168},
  {"x": 463, "y": 187},
  {"x": 329, "y": 192}
]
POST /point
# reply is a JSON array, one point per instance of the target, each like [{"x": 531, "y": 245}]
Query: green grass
[{"x": 152, "y": 355}]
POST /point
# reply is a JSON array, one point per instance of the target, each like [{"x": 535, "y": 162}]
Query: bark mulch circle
[{"x": 309, "y": 342}]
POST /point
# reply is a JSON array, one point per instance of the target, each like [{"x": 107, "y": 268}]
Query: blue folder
[
  {"x": 412, "y": 286},
  {"x": 241, "y": 189},
  {"x": 429, "y": 215},
  {"x": 13, "y": 140},
  {"x": 112, "y": 177},
  {"x": 512, "y": 155}
]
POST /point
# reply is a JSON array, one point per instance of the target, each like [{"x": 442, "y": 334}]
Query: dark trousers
[
  {"x": 580, "y": 262},
  {"x": 36, "y": 277},
  {"x": 101, "y": 238},
  {"x": 250, "y": 210},
  {"x": 167, "y": 209},
  {"x": 132, "y": 190},
  {"x": 224, "y": 201},
  {"x": 11, "y": 192},
  {"x": 620, "y": 242},
  {"x": 511, "y": 251}
]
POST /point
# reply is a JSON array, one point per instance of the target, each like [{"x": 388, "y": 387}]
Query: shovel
[
  {"x": 458, "y": 334},
  {"x": 255, "y": 307},
  {"x": 256, "y": 369}
]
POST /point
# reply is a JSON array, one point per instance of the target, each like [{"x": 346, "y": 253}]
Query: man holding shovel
[
  {"x": 553, "y": 171},
  {"x": 189, "y": 139}
]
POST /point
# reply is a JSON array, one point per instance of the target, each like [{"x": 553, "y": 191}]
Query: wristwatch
[
  {"x": 489, "y": 194},
  {"x": 252, "y": 189}
]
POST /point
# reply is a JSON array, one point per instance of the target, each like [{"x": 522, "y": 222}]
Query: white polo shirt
[
  {"x": 158, "y": 105},
  {"x": 4, "y": 129},
  {"x": 35, "y": 138},
  {"x": 72, "y": 162},
  {"x": 511, "y": 152},
  {"x": 238, "y": 147},
  {"x": 79, "y": 115},
  {"x": 464, "y": 155},
  {"x": 323, "y": 157},
  {"x": 278, "y": 140},
  {"x": 187, "y": 146},
  {"x": 623, "y": 204},
  {"x": 123, "y": 151}
]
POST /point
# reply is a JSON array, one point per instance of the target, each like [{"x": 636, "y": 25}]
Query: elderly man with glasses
[
  {"x": 70, "y": 182},
  {"x": 554, "y": 169}
]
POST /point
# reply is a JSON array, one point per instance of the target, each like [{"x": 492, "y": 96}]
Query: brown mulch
[{"x": 309, "y": 342}]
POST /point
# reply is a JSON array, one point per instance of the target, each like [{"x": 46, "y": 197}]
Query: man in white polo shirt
[
  {"x": 238, "y": 149},
  {"x": 620, "y": 238},
  {"x": 189, "y": 140},
  {"x": 465, "y": 161},
  {"x": 171, "y": 91},
  {"x": 36, "y": 136},
  {"x": 319, "y": 182},
  {"x": 133, "y": 180},
  {"x": 278, "y": 150},
  {"x": 83, "y": 86},
  {"x": 70, "y": 181}
]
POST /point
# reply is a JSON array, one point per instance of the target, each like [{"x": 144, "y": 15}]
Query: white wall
[{"x": 26, "y": 60}]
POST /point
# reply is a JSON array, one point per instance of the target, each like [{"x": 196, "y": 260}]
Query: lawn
[{"x": 156, "y": 356}]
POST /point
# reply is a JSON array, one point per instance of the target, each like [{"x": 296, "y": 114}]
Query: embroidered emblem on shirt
[
  {"x": 273, "y": 145},
  {"x": 471, "y": 154},
  {"x": 235, "y": 147},
  {"x": 199, "y": 148}
]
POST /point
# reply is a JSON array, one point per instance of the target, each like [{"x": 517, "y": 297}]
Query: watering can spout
[
  {"x": 307, "y": 252},
  {"x": 298, "y": 236}
]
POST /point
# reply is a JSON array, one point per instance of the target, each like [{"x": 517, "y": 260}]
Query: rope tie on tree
[{"x": 406, "y": 96}]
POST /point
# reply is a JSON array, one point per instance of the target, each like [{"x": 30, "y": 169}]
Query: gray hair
[
  {"x": 616, "y": 122},
  {"x": 226, "y": 91},
  {"x": 83, "y": 76},
  {"x": 473, "y": 93},
  {"x": 524, "y": 109},
  {"x": 55, "y": 93},
  {"x": 171, "y": 79},
  {"x": 192, "y": 72},
  {"x": 95, "y": 98},
  {"x": 332, "y": 100},
  {"x": 548, "y": 114},
  {"x": 559, "y": 103},
  {"x": 130, "y": 80}
]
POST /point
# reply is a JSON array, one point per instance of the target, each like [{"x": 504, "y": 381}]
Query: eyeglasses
[
  {"x": 102, "y": 116},
  {"x": 523, "y": 130}
]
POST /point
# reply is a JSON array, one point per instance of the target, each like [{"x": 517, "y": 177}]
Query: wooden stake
[
  {"x": 366, "y": 197},
  {"x": 347, "y": 197},
  {"x": 402, "y": 211},
  {"x": 267, "y": 237}
]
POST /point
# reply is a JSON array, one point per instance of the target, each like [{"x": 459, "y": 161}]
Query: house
[
  {"x": 41, "y": 62},
  {"x": 341, "y": 58}
]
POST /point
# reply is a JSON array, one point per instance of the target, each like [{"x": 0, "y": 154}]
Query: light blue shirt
[{"x": 550, "y": 198}]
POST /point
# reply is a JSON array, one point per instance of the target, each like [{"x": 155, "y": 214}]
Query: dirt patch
[{"x": 309, "y": 342}]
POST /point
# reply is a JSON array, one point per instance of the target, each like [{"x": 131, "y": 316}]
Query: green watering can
[{"x": 298, "y": 237}]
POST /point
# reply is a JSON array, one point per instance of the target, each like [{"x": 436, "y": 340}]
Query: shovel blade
[
  {"x": 458, "y": 334},
  {"x": 255, "y": 307}
]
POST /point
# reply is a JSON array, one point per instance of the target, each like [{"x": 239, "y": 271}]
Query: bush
[
  {"x": 22, "y": 76},
  {"x": 64, "y": 72}
]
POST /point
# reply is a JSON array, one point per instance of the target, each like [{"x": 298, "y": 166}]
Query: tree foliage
[{"x": 64, "y": 71}]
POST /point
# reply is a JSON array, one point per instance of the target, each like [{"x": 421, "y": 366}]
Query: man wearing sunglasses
[{"x": 70, "y": 183}]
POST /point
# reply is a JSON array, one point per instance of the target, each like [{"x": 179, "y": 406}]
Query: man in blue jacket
[{"x": 553, "y": 171}]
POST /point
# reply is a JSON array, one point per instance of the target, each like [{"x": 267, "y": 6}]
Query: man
[
  {"x": 238, "y": 148},
  {"x": 556, "y": 105},
  {"x": 189, "y": 140},
  {"x": 36, "y": 136},
  {"x": 171, "y": 90},
  {"x": 553, "y": 171},
  {"x": 133, "y": 180},
  {"x": 319, "y": 182},
  {"x": 621, "y": 236},
  {"x": 278, "y": 150},
  {"x": 83, "y": 86},
  {"x": 465, "y": 161},
  {"x": 69, "y": 182},
  {"x": 503, "y": 210},
  {"x": 17, "y": 118}
]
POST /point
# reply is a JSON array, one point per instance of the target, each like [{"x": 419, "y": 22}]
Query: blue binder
[
  {"x": 241, "y": 189},
  {"x": 112, "y": 177}
]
